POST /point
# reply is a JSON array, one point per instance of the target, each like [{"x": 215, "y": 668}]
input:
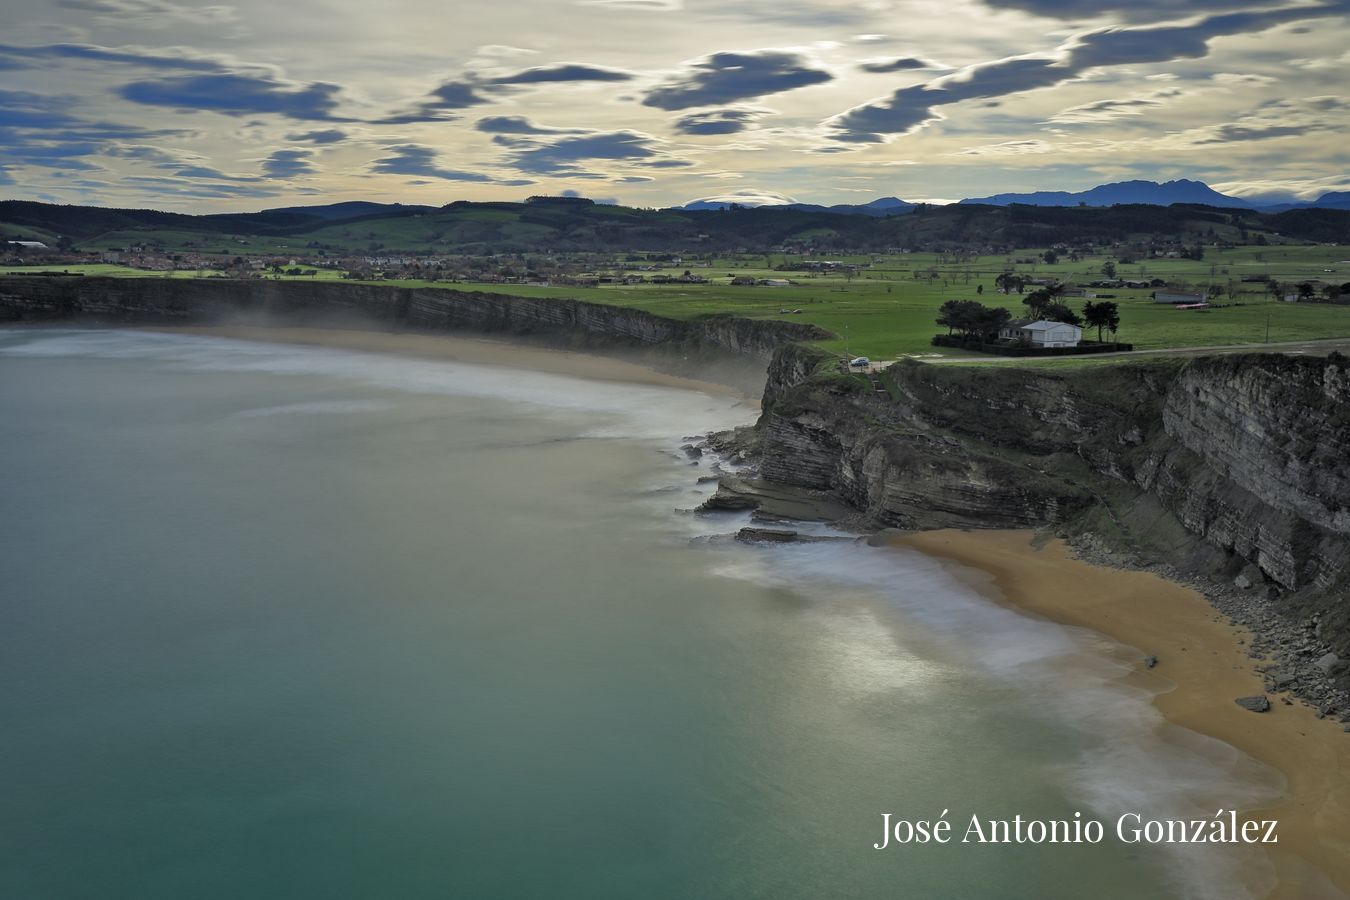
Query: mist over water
[{"x": 287, "y": 622}]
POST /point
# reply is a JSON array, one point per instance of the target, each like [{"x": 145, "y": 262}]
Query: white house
[
  {"x": 1177, "y": 297},
  {"x": 1043, "y": 333}
]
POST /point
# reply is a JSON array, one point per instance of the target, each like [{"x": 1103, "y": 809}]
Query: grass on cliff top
[{"x": 888, "y": 309}]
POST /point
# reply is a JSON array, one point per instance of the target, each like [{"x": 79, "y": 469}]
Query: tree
[
  {"x": 989, "y": 320},
  {"x": 1038, "y": 300},
  {"x": 1109, "y": 268},
  {"x": 1305, "y": 291},
  {"x": 979, "y": 289},
  {"x": 1050, "y": 257},
  {"x": 1060, "y": 312},
  {"x": 1104, "y": 315}
]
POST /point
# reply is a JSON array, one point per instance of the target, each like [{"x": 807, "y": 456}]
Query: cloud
[
  {"x": 452, "y": 95},
  {"x": 899, "y": 64},
  {"x": 559, "y": 156},
  {"x": 1130, "y": 10},
  {"x": 180, "y": 162},
  {"x": 288, "y": 164},
  {"x": 520, "y": 125},
  {"x": 750, "y": 197},
  {"x": 1282, "y": 118},
  {"x": 327, "y": 136},
  {"x": 420, "y": 161},
  {"x": 136, "y": 56},
  {"x": 1107, "y": 110},
  {"x": 1010, "y": 148},
  {"x": 720, "y": 121},
  {"x": 729, "y": 76},
  {"x": 238, "y": 95},
  {"x": 911, "y": 108},
  {"x": 636, "y": 5},
  {"x": 563, "y": 72},
  {"x": 153, "y": 13},
  {"x": 40, "y": 130}
]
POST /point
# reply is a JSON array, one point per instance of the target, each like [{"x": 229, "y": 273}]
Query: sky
[{"x": 253, "y": 104}]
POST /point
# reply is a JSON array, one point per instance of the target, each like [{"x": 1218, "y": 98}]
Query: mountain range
[{"x": 1117, "y": 193}]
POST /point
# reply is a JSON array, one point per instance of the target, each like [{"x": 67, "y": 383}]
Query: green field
[{"x": 888, "y": 309}]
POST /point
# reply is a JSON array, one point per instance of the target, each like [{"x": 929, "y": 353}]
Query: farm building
[{"x": 1175, "y": 297}]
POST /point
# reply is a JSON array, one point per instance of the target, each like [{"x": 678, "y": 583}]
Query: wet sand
[
  {"x": 478, "y": 351},
  {"x": 1202, "y": 667}
]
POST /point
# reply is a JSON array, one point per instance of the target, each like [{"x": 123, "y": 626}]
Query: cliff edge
[{"x": 1234, "y": 469}]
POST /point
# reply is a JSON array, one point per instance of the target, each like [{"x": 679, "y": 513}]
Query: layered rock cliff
[
  {"x": 1229, "y": 467},
  {"x": 684, "y": 346}
]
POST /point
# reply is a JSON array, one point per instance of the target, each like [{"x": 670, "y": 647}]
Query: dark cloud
[
  {"x": 563, "y": 72},
  {"x": 911, "y": 108},
  {"x": 1234, "y": 132},
  {"x": 238, "y": 95},
  {"x": 288, "y": 164},
  {"x": 420, "y": 161},
  {"x": 719, "y": 121},
  {"x": 727, "y": 77},
  {"x": 519, "y": 125},
  {"x": 560, "y": 156},
  {"x": 327, "y": 136},
  {"x": 41, "y": 130},
  {"x": 90, "y": 52},
  {"x": 180, "y": 163},
  {"x": 455, "y": 95},
  {"x": 1131, "y": 10},
  {"x": 449, "y": 96},
  {"x": 899, "y": 64},
  {"x": 666, "y": 163}
]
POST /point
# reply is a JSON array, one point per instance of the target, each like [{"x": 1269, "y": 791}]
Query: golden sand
[{"x": 1202, "y": 667}]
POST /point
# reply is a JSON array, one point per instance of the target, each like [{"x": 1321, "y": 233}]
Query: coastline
[
  {"x": 1203, "y": 665},
  {"x": 459, "y": 348}
]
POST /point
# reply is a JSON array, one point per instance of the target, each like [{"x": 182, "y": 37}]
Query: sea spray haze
[{"x": 291, "y": 622}]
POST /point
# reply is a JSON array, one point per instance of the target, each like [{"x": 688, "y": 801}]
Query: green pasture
[{"x": 888, "y": 309}]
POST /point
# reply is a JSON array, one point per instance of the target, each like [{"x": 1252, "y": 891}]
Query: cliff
[
  {"x": 1232, "y": 468},
  {"x": 689, "y": 347}
]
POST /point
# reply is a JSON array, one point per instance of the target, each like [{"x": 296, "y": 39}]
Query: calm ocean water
[{"x": 284, "y": 622}]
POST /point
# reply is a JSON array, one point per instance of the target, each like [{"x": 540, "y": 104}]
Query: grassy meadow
[{"x": 888, "y": 309}]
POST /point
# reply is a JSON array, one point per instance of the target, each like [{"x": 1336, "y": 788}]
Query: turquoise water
[{"x": 285, "y": 622}]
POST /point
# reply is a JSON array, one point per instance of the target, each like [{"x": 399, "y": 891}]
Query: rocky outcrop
[
  {"x": 1229, "y": 467},
  {"x": 169, "y": 301}
]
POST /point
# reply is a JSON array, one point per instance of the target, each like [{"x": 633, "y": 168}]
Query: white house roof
[{"x": 1044, "y": 325}]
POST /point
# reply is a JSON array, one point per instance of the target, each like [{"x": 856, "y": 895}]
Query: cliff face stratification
[
  {"x": 165, "y": 301},
  {"x": 1222, "y": 466}
]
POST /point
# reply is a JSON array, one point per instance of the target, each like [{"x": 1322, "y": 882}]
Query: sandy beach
[
  {"x": 478, "y": 351},
  {"x": 1202, "y": 667}
]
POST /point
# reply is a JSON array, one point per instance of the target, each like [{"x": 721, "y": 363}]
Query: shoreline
[
  {"x": 1203, "y": 666},
  {"x": 474, "y": 350}
]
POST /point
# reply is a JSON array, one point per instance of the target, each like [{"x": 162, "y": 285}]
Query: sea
[{"x": 293, "y": 622}]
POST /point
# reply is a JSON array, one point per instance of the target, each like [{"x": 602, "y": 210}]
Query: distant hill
[
  {"x": 1329, "y": 200},
  {"x": 1121, "y": 192},
  {"x": 556, "y": 226},
  {"x": 884, "y": 206},
  {"x": 351, "y": 209},
  {"x": 881, "y": 207}
]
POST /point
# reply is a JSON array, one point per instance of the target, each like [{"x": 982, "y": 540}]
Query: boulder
[
  {"x": 1150, "y": 661},
  {"x": 1326, "y": 663},
  {"x": 767, "y": 535},
  {"x": 1258, "y": 703}
]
